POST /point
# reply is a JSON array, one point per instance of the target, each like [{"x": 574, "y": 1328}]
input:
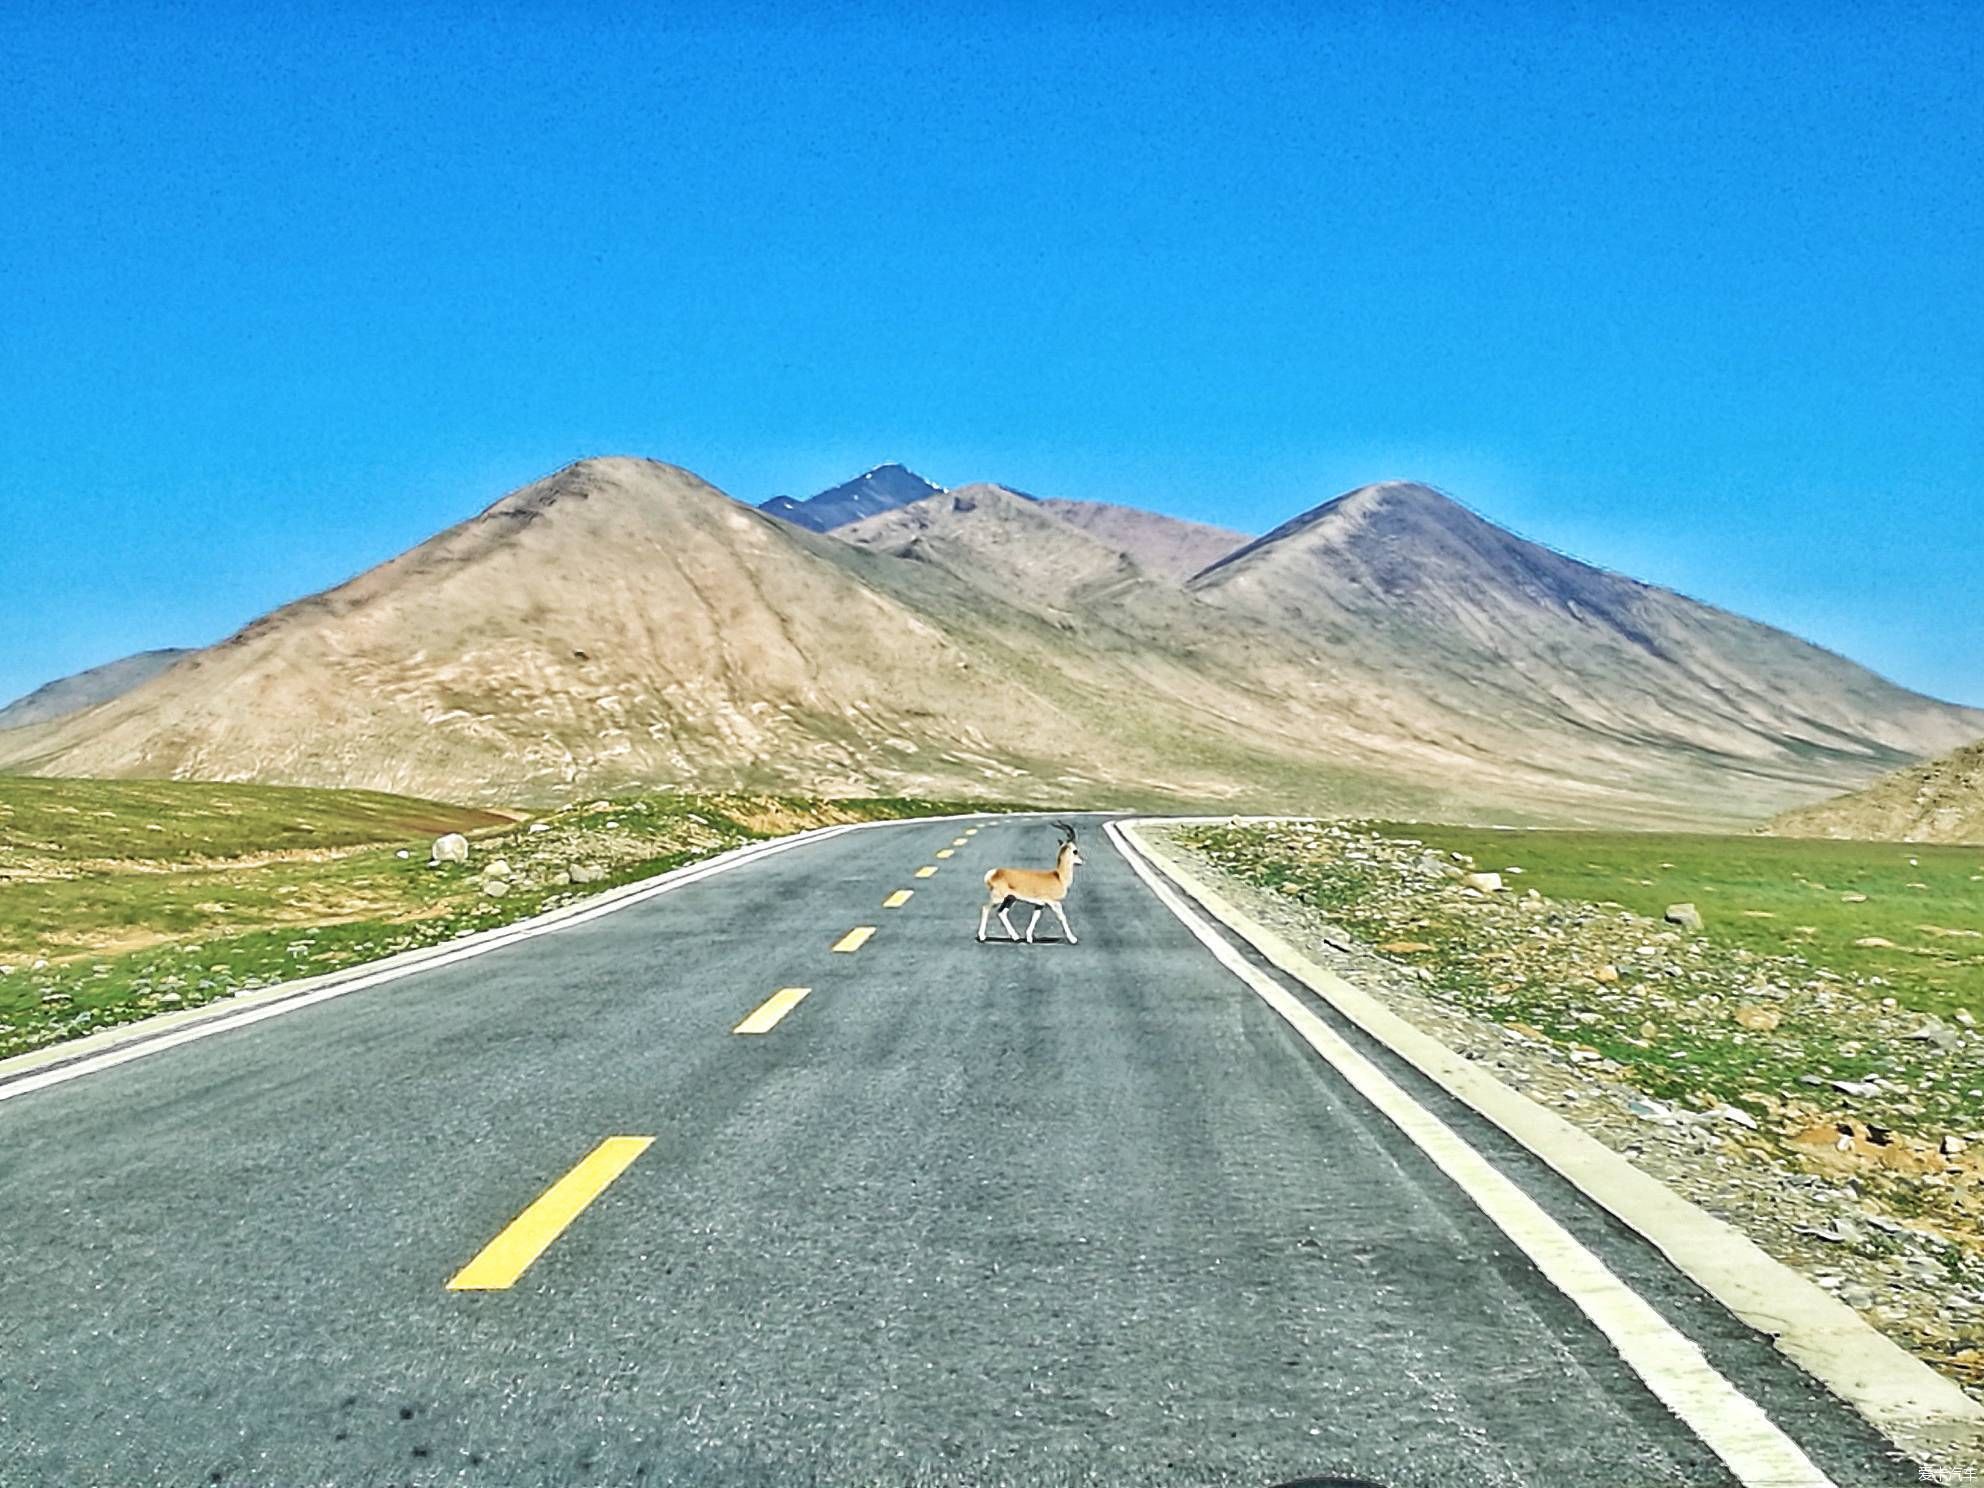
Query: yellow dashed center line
[
  {"x": 925, "y": 872},
  {"x": 945, "y": 852},
  {"x": 959, "y": 841},
  {"x": 971, "y": 831},
  {"x": 898, "y": 899},
  {"x": 855, "y": 939},
  {"x": 773, "y": 1008},
  {"x": 510, "y": 1254}
]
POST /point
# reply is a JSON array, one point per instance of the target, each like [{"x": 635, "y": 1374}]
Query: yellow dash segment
[
  {"x": 855, "y": 939},
  {"x": 971, "y": 831},
  {"x": 925, "y": 872},
  {"x": 773, "y": 1008},
  {"x": 898, "y": 899},
  {"x": 959, "y": 841},
  {"x": 945, "y": 852},
  {"x": 527, "y": 1236}
]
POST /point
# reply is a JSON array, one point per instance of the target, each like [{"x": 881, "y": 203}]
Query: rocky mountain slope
[
  {"x": 1165, "y": 545},
  {"x": 623, "y": 621},
  {"x": 1488, "y": 625},
  {"x": 882, "y": 489},
  {"x": 1390, "y": 654},
  {"x": 1941, "y": 801},
  {"x": 999, "y": 540},
  {"x": 82, "y": 690},
  {"x": 1413, "y": 638}
]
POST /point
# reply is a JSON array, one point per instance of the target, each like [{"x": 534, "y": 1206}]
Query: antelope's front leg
[
  {"x": 1031, "y": 923},
  {"x": 1062, "y": 915}
]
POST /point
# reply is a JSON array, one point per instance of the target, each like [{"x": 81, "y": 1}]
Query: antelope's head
[{"x": 1071, "y": 854}]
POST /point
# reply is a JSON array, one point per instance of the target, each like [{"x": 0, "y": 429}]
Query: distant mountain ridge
[
  {"x": 882, "y": 489},
  {"x": 1385, "y": 653},
  {"x": 80, "y": 690},
  {"x": 1488, "y": 622},
  {"x": 1164, "y": 545}
]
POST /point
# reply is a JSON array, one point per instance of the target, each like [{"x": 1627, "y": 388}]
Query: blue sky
[{"x": 1696, "y": 292}]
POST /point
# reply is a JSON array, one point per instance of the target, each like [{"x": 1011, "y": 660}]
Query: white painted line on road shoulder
[
  {"x": 1923, "y": 1412},
  {"x": 1732, "y": 1425}
]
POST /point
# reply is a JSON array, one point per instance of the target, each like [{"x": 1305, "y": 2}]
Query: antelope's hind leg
[
  {"x": 1004, "y": 919},
  {"x": 1031, "y": 923}
]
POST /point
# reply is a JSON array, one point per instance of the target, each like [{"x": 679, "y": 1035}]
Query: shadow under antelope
[{"x": 1043, "y": 888}]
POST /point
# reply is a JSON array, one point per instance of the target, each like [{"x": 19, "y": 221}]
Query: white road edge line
[
  {"x": 277, "y": 1001},
  {"x": 1727, "y": 1421},
  {"x": 1920, "y": 1411}
]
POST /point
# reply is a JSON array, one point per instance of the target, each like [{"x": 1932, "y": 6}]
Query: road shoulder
[{"x": 1922, "y": 1412}]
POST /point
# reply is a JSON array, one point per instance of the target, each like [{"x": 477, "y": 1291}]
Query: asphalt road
[{"x": 967, "y": 1214}]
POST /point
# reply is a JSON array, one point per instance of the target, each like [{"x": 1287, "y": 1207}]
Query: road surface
[{"x": 961, "y": 1214}]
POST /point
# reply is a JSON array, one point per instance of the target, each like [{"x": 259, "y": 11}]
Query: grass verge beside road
[
  {"x": 1819, "y": 964},
  {"x": 1808, "y": 1064},
  {"x": 119, "y": 900}
]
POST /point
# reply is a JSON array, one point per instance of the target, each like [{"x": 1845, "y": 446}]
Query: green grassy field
[
  {"x": 122, "y": 899},
  {"x": 1774, "y": 896},
  {"x": 64, "y": 823},
  {"x": 101, "y": 866},
  {"x": 1775, "y": 1007}
]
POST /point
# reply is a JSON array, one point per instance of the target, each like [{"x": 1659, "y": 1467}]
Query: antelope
[{"x": 1043, "y": 888}]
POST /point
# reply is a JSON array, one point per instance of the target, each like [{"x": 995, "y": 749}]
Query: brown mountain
[
  {"x": 1491, "y": 626},
  {"x": 1403, "y": 635},
  {"x": 997, "y": 539},
  {"x": 1941, "y": 801},
  {"x": 80, "y": 690},
  {"x": 1165, "y": 545},
  {"x": 622, "y": 621}
]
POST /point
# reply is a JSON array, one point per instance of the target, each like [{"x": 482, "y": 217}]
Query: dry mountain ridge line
[
  {"x": 873, "y": 491},
  {"x": 623, "y": 621},
  {"x": 1398, "y": 583},
  {"x": 85, "y": 689},
  {"x": 1488, "y": 622},
  {"x": 1169, "y": 546},
  {"x": 553, "y": 643}
]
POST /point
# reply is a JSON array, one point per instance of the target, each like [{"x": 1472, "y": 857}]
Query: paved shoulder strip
[
  {"x": 1732, "y": 1425},
  {"x": 1906, "y": 1400}
]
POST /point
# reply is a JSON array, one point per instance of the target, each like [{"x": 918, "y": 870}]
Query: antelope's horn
[{"x": 1070, "y": 831}]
